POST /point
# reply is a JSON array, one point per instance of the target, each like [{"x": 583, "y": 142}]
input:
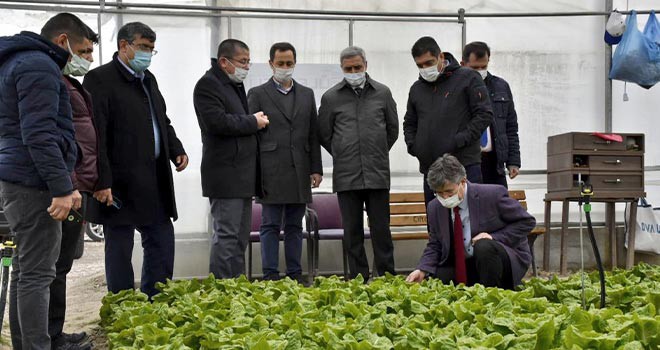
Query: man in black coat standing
[
  {"x": 504, "y": 128},
  {"x": 290, "y": 160},
  {"x": 229, "y": 155},
  {"x": 136, "y": 144}
]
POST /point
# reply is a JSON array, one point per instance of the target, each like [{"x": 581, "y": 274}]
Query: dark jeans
[
  {"x": 37, "y": 241},
  {"x": 489, "y": 170},
  {"x": 232, "y": 220},
  {"x": 158, "y": 260},
  {"x": 273, "y": 218},
  {"x": 71, "y": 231},
  {"x": 473, "y": 173},
  {"x": 489, "y": 266},
  {"x": 377, "y": 202}
]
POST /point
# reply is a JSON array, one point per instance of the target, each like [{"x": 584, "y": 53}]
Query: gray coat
[
  {"x": 289, "y": 146},
  {"x": 359, "y": 132}
]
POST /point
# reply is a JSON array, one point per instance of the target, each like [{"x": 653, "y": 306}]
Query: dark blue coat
[
  {"x": 507, "y": 144},
  {"x": 37, "y": 145}
]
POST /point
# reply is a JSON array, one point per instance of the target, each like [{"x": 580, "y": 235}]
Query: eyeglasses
[
  {"x": 145, "y": 48},
  {"x": 244, "y": 63}
]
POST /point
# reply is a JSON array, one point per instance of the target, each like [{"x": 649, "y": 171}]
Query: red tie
[{"x": 459, "y": 249}]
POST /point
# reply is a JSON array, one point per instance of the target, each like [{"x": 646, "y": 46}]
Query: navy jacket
[
  {"x": 447, "y": 116},
  {"x": 492, "y": 211},
  {"x": 37, "y": 145},
  {"x": 507, "y": 144}
]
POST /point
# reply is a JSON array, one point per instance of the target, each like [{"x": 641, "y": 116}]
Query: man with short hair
[
  {"x": 136, "y": 145},
  {"x": 84, "y": 176},
  {"x": 505, "y": 152},
  {"x": 478, "y": 234},
  {"x": 448, "y": 110},
  {"x": 358, "y": 126},
  {"x": 37, "y": 156},
  {"x": 290, "y": 160},
  {"x": 230, "y": 175}
]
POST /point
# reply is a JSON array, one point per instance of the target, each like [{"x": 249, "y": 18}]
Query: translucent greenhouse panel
[
  {"x": 556, "y": 69},
  {"x": 390, "y": 62}
]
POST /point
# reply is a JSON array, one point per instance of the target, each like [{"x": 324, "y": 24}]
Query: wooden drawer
[
  {"x": 568, "y": 181},
  {"x": 617, "y": 182},
  {"x": 583, "y": 141},
  {"x": 616, "y": 163},
  {"x": 591, "y": 142}
]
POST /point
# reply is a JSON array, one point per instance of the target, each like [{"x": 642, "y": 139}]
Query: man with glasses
[
  {"x": 136, "y": 144},
  {"x": 230, "y": 175},
  {"x": 478, "y": 234}
]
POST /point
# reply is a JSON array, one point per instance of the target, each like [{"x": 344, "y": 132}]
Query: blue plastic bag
[{"x": 637, "y": 58}]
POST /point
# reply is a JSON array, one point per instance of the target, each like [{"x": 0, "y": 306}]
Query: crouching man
[{"x": 478, "y": 234}]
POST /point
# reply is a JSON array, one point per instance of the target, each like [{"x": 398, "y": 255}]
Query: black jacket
[
  {"x": 289, "y": 146},
  {"x": 37, "y": 146},
  {"x": 229, "y": 137},
  {"x": 127, "y": 163},
  {"x": 447, "y": 116},
  {"x": 507, "y": 145},
  {"x": 359, "y": 132}
]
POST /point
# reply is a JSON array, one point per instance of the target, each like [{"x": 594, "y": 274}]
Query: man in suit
[
  {"x": 358, "y": 126},
  {"x": 478, "y": 234},
  {"x": 229, "y": 155},
  {"x": 290, "y": 160},
  {"x": 136, "y": 144}
]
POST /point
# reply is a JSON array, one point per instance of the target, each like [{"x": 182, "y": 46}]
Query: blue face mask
[{"x": 141, "y": 61}]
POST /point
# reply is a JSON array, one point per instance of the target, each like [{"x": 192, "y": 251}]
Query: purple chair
[
  {"x": 254, "y": 237},
  {"x": 324, "y": 220}
]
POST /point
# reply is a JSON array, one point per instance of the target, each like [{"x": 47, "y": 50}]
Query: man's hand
[
  {"x": 60, "y": 207},
  {"x": 104, "y": 196},
  {"x": 482, "y": 235},
  {"x": 77, "y": 200},
  {"x": 513, "y": 172},
  {"x": 262, "y": 120},
  {"x": 316, "y": 180},
  {"x": 181, "y": 162},
  {"x": 416, "y": 276}
]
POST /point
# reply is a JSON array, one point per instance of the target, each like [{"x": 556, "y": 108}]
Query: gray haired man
[{"x": 358, "y": 125}]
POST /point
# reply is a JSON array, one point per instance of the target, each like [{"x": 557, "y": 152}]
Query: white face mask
[
  {"x": 450, "y": 202},
  {"x": 239, "y": 74},
  {"x": 483, "y": 73},
  {"x": 432, "y": 73},
  {"x": 283, "y": 75},
  {"x": 78, "y": 66},
  {"x": 355, "y": 79}
]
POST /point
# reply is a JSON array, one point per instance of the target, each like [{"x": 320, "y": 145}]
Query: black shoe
[
  {"x": 298, "y": 278},
  {"x": 271, "y": 277},
  {"x": 74, "y": 337},
  {"x": 72, "y": 346}
]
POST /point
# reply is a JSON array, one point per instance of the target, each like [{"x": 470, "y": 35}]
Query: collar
[
  {"x": 220, "y": 74},
  {"x": 58, "y": 54},
  {"x": 367, "y": 82},
  {"x": 132, "y": 72},
  {"x": 464, "y": 203},
  {"x": 281, "y": 87}
]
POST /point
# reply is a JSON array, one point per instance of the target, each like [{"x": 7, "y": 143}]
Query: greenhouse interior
[{"x": 588, "y": 180}]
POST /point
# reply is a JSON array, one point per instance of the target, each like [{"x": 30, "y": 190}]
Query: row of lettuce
[{"x": 389, "y": 313}]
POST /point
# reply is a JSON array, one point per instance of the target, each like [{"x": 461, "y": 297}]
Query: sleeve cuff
[{"x": 60, "y": 186}]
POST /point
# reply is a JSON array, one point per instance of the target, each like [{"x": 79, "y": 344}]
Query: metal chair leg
[
  {"x": 249, "y": 274},
  {"x": 531, "y": 250}
]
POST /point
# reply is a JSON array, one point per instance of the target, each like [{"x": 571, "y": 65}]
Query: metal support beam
[
  {"x": 608, "y": 81},
  {"x": 461, "y": 20},
  {"x": 350, "y": 32}
]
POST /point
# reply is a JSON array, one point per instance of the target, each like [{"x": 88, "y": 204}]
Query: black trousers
[
  {"x": 489, "y": 266},
  {"x": 71, "y": 231},
  {"x": 377, "y": 202},
  {"x": 489, "y": 169}
]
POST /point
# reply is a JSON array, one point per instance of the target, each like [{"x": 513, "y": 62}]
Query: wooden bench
[{"x": 408, "y": 218}]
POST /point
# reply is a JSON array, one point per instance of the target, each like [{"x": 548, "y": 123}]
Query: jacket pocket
[
  {"x": 268, "y": 147},
  {"x": 501, "y": 102}
]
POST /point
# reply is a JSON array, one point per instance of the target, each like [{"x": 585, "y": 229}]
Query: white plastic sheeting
[{"x": 555, "y": 66}]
